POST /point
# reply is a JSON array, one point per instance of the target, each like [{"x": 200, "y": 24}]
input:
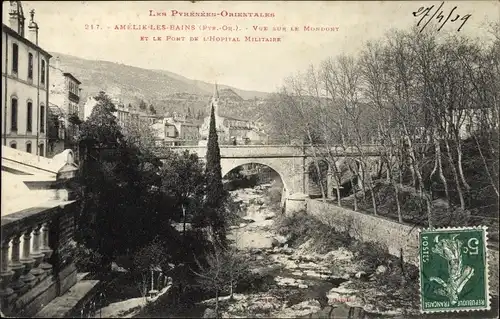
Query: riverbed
[{"x": 301, "y": 282}]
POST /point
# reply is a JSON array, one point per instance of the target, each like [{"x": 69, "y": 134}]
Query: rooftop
[
  {"x": 72, "y": 77},
  {"x": 28, "y": 179},
  {"x": 16, "y": 35}
]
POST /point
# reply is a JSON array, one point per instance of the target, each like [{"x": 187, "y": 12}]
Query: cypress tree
[{"x": 216, "y": 195}]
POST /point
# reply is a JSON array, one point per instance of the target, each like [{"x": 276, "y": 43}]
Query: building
[
  {"x": 151, "y": 118},
  {"x": 122, "y": 113},
  {"x": 175, "y": 131},
  {"x": 64, "y": 94},
  {"x": 185, "y": 130},
  {"x": 256, "y": 136},
  {"x": 88, "y": 107},
  {"x": 25, "y": 83},
  {"x": 229, "y": 129},
  {"x": 56, "y": 130},
  {"x": 38, "y": 213},
  {"x": 471, "y": 120}
]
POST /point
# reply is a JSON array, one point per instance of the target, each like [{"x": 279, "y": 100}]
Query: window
[
  {"x": 13, "y": 115},
  {"x": 30, "y": 66},
  {"x": 28, "y": 147},
  {"x": 15, "y": 58},
  {"x": 42, "y": 74},
  {"x": 29, "y": 117},
  {"x": 40, "y": 150},
  {"x": 42, "y": 118},
  {"x": 13, "y": 145}
]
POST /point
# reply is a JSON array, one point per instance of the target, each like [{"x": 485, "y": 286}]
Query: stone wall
[{"x": 398, "y": 238}]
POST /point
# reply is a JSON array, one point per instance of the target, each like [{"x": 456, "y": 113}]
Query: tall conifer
[{"x": 216, "y": 195}]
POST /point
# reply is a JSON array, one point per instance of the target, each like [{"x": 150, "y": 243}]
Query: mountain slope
[
  {"x": 209, "y": 87},
  {"x": 133, "y": 84}
]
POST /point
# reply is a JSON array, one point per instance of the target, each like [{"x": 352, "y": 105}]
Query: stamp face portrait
[{"x": 454, "y": 270}]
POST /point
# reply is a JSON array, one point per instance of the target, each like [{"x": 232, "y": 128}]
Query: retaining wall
[{"x": 398, "y": 238}]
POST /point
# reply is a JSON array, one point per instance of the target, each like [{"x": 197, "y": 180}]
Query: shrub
[
  {"x": 300, "y": 227},
  {"x": 87, "y": 260},
  {"x": 371, "y": 254}
]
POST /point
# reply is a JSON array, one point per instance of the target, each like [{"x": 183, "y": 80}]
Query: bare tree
[
  {"x": 402, "y": 92},
  {"x": 223, "y": 269},
  {"x": 300, "y": 103},
  {"x": 374, "y": 85}
]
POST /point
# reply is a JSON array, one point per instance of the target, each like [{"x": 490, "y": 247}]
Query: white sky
[{"x": 246, "y": 65}]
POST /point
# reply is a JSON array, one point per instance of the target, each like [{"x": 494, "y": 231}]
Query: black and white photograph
[{"x": 250, "y": 159}]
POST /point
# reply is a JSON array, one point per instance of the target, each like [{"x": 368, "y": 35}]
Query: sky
[{"x": 65, "y": 27}]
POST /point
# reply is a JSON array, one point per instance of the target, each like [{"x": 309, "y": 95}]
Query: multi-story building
[
  {"x": 64, "y": 94},
  {"x": 25, "y": 77},
  {"x": 185, "y": 130},
  {"x": 174, "y": 131},
  {"x": 122, "y": 114}
]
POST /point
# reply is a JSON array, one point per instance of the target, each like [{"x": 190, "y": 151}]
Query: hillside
[{"x": 166, "y": 90}]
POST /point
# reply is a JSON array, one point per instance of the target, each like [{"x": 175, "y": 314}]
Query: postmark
[{"x": 454, "y": 269}]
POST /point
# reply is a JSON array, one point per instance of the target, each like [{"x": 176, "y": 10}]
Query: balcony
[
  {"x": 37, "y": 224},
  {"x": 73, "y": 97}
]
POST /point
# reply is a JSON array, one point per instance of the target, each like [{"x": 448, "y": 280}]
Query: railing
[
  {"x": 283, "y": 150},
  {"x": 34, "y": 249},
  {"x": 73, "y": 97}
]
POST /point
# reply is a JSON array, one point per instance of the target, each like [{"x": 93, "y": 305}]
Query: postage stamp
[{"x": 454, "y": 269}]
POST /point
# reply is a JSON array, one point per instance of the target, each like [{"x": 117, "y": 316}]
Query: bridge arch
[{"x": 282, "y": 168}]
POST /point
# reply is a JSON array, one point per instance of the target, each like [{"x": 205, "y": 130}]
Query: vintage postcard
[{"x": 243, "y": 159}]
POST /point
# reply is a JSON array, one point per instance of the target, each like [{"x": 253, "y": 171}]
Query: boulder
[
  {"x": 312, "y": 305},
  {"x": 275, "y": 243},
  {"x": 381, "y": 269},
  {"x": 362, "y": 275},
  {"x": 209, "y": 313},
  {"x": 116, "y": 268},
  {"x": 280, "y": 239}
]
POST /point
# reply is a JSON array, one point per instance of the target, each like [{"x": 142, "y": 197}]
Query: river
[{"x": 301, "y": 283}]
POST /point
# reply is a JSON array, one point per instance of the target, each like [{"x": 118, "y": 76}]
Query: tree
[
  {"x": 138, "y": 132},
  {"x": 153, "y": 256},
  {"x": 142, "y": 105},
  {"x": 152, "y": 109},
  {"x": 215, "y": 193},
  {"x": 224, "y": 268},
  {"x": 53, "y": 127},
  {"x": 116, "y": 169},
  {"x": 101, "y": 128},
  {"x": 183, "y": 182}
]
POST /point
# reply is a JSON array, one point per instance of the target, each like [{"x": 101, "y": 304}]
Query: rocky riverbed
[{"x": 301, "y": 282}]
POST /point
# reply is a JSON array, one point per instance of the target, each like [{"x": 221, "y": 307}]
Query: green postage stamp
[{"x": 454, "y": 269}]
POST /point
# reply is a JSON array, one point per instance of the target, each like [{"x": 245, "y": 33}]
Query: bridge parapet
[{"x": 277, "y": 151}]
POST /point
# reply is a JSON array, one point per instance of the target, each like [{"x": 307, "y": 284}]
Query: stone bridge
[{"x": 293, "y": 163}]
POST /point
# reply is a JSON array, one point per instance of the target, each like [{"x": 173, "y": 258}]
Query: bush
[
  {"x": 87, "y": 260},
  {"x": 254, "y": 283},
  {"x": 300, "y": 227},
  {"x": 371, "y": 254}
]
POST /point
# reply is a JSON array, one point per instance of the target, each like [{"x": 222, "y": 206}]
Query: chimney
[
  {"x": 33, "y": 29},
  {"x": 14, "y": 16}
]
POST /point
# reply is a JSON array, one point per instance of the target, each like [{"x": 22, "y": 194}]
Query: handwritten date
[{"x": 439, "y": 15}]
